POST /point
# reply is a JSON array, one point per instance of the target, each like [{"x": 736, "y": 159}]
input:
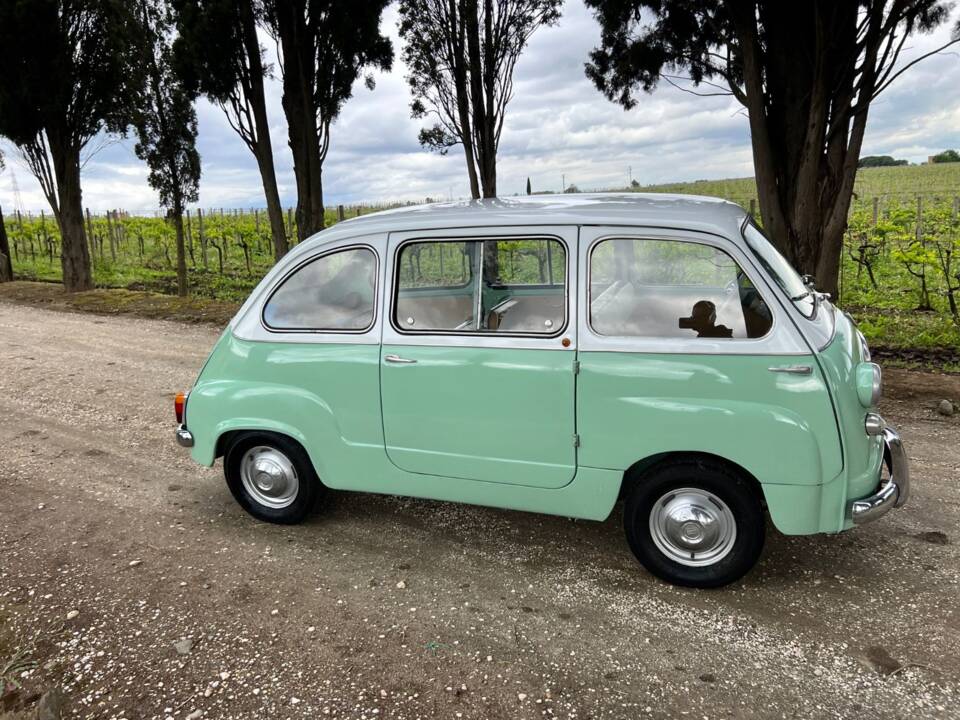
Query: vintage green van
[{"x": 554, "y": 354}]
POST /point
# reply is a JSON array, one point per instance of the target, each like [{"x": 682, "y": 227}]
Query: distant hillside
[{"x": 941, "y": 180}]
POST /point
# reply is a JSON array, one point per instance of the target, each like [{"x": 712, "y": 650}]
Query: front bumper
[
  {"x": 184, "y": 437},
  {"x": 894, "y": 492}
]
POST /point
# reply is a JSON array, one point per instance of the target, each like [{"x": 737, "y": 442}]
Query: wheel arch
[
  {"x": 230, "y": 433},
  {"x": 636, "y": 472}
]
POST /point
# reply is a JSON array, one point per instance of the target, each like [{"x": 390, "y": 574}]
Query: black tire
[
  {"x": 309, "y": 488},
  {"x": 655, "y": 488}
]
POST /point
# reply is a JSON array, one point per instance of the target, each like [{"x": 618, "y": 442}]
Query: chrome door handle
[
  {"x": 792, "y": 369},
  {"x": 399, "y": 360}
]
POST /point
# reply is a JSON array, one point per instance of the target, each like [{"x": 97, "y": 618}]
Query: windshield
[{"x": 782, "y": 272}]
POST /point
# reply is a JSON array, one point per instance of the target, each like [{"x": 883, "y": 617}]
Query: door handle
[
  {"x": 792, "y": 369},
  {"x": 398, "y": 360}
]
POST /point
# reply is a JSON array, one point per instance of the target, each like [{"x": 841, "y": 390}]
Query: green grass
[{"x": 892, "y": 314}]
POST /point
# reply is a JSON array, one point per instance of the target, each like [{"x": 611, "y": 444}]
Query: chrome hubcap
[
  {"x": 269, "y": 477},
  {"x": 692, "y": 527}
]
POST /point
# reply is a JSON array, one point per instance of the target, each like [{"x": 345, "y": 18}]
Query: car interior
[{"x": 503, "y": 286}]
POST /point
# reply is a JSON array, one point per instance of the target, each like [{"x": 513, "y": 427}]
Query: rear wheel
[
  {"x": 271, "y": 477},
  {"x": 695, "y": 522}
]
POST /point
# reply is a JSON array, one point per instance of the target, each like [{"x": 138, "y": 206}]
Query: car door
[
  {"x": 684, "y": 347},
  {"x": 477, "y": 360}
]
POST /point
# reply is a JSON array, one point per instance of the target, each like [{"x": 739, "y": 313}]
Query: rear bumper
[
  {"x": 892, "y": 493},
  {"x": 184, "y": 437}
]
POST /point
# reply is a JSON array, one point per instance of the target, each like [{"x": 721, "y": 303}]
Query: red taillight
[{"x": 178, "y": 403}]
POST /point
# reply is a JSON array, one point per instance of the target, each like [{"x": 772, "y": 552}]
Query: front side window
[
  {"x": 672, "y": 289},
  {"x": 335, "y": 292},
  {"x": 481, "y": 286}
]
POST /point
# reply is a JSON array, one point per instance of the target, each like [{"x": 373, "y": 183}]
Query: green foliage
[
  {"x": 139, "y": 253},
  {"x": 880, "y": 161},
  {"x": 333, "y": 43},
  {"x": 165, "y": 119},
  {"x": 68, "y": 68},
  {"x": 947, "y": 156}
]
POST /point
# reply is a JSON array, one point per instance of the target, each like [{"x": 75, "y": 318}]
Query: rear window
[{"x": 334, "y": 293}]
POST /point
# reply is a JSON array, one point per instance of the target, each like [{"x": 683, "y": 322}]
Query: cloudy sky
[{"x": 557, "y": 126}]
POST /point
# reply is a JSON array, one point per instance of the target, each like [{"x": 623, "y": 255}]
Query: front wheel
[
  {"x": 271, "y": 477},
  {"x": 695, "y": 523}
]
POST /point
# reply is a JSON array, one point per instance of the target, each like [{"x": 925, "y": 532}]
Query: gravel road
[{"x": 114, "y": 547}]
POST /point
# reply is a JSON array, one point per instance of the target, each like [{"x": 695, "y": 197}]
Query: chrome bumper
[
  {"x": 893, "y": 493},
  {"x": 184, "y": 437}
]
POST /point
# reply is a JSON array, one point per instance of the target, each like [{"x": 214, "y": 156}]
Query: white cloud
[{"x": 557, "y": 125}]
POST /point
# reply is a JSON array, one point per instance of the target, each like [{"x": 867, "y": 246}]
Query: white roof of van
[{"x": 575, "y": 208}]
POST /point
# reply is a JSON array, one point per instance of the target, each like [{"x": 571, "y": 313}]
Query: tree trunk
[
  {"x": 268, "y": 175},
  {"x": 182, "y": 288},
  {"x": 458, "y": 60},
  {"x": 806, "y": 137},
  {"x": 307, "y": 139},
  {"x": 489, "y": 157},
  {"x": 263, "y": 148},
  {"x": 6, "y": 260},
  {"x": 74, "y": 255},
  {"x": 483, "y": 119}
]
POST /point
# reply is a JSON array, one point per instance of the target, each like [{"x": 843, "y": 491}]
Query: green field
[{"x": 905, "y": 304}]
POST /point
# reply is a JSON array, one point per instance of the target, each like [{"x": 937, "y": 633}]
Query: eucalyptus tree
[
  {"x": 219, "y": 54},
  {"x": 324, "y": 47},
  {"x": 69, "y": 73},
  {"x": 461, "y": 55},
  {"x": 166, "y": 125},
  {"x": 806, "y": 72}
]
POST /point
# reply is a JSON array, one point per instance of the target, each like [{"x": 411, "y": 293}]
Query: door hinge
[
  {"x": 576, "y": 367},
  {"x": 576, "y": 440}
]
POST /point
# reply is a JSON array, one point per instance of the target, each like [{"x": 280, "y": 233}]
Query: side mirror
[{"x": 810, "y": 281}]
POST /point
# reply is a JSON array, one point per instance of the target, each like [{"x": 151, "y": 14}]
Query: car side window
[
  {"x": 334, "y": 293},
  {"x": 672, "y": 289},
  {"x": 502, "y": 285}
]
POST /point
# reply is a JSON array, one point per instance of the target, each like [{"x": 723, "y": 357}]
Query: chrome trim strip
[
  {"x": 315, "y": 258},
  {"x": 394, "y": 269},
  {"x": 566, "y": 234},
  {"x": 597, "y": 241},
  {"x": 792, "y": 369},
  {"x": 895, "y": 492},
  {"x": 784, "y": 338}
]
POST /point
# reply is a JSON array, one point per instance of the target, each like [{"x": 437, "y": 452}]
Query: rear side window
[
  {"x": 334, "y": 293},
  {"x": 672, "y": 289},
  {"x": 515, "y": 286}
]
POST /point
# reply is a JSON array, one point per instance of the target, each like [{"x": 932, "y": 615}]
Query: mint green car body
[{"x": 553, "y": 425}]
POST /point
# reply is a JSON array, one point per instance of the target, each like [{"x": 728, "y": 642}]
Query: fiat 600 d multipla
[{"x": 554, "y": 355}]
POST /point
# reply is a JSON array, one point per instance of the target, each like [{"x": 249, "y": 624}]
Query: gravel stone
[{"x": 601, "y": 638}]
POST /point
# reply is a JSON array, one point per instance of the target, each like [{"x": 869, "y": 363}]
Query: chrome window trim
[
  {"x": 248, "y": 325},
  {"x": 316, "y": 258},
  {"x": 589, "y": 288},
  {"x": 783, "y": 338},
  {"x": 473, "y": 335},
  {"x": 811, "y": 327}
]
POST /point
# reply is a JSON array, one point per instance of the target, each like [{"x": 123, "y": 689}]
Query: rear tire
[
  {"x": 695, "y": 522},
  {"x": 271, "y": 477}
]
